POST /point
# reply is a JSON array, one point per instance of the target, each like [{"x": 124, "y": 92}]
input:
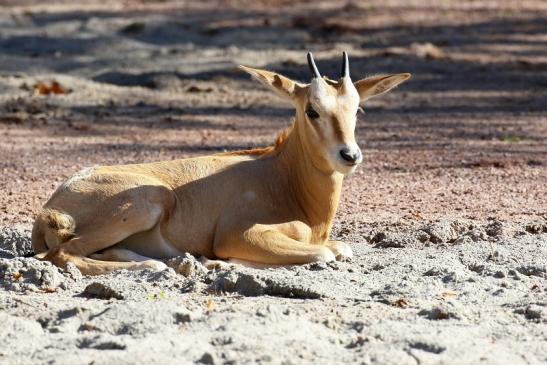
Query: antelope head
[{"x": 326, "y": 111}]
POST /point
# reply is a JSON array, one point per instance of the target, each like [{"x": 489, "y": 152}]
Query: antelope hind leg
[
  {"x": 265, "y": 245},
  {"x": 92, "y": 238},
  {"x": 124, "y": 255},
  {"x": 60, "y": 257}
]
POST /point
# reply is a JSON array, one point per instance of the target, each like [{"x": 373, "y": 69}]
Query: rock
[
  {"x": 101, "y": 291},
  {"x": 398, "y": 240},
  {"x": 428, "y": 346},
  {"x": 73, "y": 271},
  {"x": 533, "y": 270},
  {"x": 188, "y": 266},
  {"x": 454, "y": 277},
  {"x": 514, "y": 274},
  {"x": 536, "y": 227},
  {"x": 494, "y": 229},
  {"x": 447, "y": 231},
  {"x": 101, "y": 342},
  {"x": 207, "y": 358},
  {"x": 182, "y": 317},
  {"x": 436, "y": 271},
  {"x": 499, "y": 274},
  {"x": 535, "y": 312},
  {"x": 443, "y": 311},
  {"x": 22, "y": 274},
  {"x": 132, "y": 28},
  {"x": 472, "y": 236},
  {"x": 318, "y": 266},
  {"x": 252, "y": 283},
  {"x": 14, "y": 242},
  {"x": 162, "y": 276}
]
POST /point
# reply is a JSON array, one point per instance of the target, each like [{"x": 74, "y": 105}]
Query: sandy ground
[{"x": 447, "y": 215}]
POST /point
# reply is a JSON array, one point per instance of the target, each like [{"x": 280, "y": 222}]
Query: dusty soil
[{"x": 447, "y": 215}]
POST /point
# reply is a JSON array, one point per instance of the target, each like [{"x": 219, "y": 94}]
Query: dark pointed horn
[
  {"x": 345, "y": 65},
  {"x": 313, "y": 67}
]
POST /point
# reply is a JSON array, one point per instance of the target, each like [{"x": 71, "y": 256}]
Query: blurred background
[{"x": 93, "y": 83}]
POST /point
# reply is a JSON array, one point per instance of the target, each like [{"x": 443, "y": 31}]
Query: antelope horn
[
  {"x": 345, "y": 65},
  {"x": 313, "y": 67}
]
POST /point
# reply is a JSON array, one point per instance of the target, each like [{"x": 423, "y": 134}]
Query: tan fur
[{"x": 267, "y": 206}]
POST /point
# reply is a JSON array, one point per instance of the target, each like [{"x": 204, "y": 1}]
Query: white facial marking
[
  {"x": 343, "y": 105},
  {"x": 80, "y": 175},
  {"x": 320, "y": 97}
]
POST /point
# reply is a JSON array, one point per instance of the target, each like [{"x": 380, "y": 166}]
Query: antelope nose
[{"x": 350, "y": 155}]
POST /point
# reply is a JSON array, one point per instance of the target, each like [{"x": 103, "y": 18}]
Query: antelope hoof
[
  {"x": 40, "y": 256},
  {"x": 214, "y": 264},
  {"x": 325, "y": 255},
  {"x": 341, "y": 250},
  {"x": 154, "y": 265}
]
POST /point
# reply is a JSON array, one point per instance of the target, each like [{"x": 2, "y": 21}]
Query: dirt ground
[{"x": 447, "y": 215}]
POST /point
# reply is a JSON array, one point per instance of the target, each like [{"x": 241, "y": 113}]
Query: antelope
[{"x": 266, "y": 206}]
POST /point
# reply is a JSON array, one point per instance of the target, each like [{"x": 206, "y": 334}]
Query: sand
[{"x": 447, "y": 216}]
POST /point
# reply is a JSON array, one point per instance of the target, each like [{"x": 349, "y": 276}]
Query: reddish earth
[{"x": 465, "y": 137}]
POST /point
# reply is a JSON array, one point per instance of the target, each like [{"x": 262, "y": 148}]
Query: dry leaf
[
  {"x": 210, "y": 305},
  {"x": 401, "y": 303},
  {"x": 56, "y": 88},
  {"x": 427, "y": 50},
  {"x": 49, "y": 290},
  {"x": 449, "y": 294},
  {"x": 17, "y": 276},
  {"x": 41, "y": 88}
]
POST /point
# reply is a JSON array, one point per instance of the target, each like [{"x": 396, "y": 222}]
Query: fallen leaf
[
  {"x": 401, "y": 303},
  {"x": 427, "y": 50},
  {"x": 41, "y": 88},
  {"x": 56, "y": 88},
  {"x": 17, "y": 276},
  {"x": 449, "y": 294},
  {"x": 210, "y": 305}
]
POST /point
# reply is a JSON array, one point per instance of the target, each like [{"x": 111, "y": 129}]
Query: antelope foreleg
[
  {"x": 341, "y": 250},
  {"x": 262, "y": 245}
]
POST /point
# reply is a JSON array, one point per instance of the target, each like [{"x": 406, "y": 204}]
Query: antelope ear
[
  {"x": 377, "y": 85},
  {"x": 281, "y": 85}
]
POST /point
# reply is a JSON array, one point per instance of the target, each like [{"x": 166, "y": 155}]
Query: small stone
[
  {"x": 534, "y": 312},
  {"x": 499, "y": 274},
  {"x": 446, "y": 231},
  {"x": 207, "y": 358},
  {"x": 182, "y": 317},
  {"x": 317, "y": 266},
  {"x": 101, "y": 291},
  {"x": 439, "y": 312},
  {"x": 28, "y": 274},
  {"x": 494, "y": 229},
  {"x": 101, "y": 342},
  {"x": 73, "y": 271},
  {"x": 187, "y": 265},
  {"x": 358, "y": 326},
  {"x": 14, "y": 242}
]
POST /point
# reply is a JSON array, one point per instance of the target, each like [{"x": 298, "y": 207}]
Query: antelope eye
[{"x": 312, "y": 114}]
